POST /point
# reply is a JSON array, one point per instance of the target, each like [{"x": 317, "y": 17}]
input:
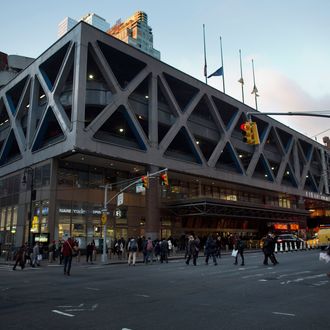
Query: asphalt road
[{"x": 291, "y": 295}]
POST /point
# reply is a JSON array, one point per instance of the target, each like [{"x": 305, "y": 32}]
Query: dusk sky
[{"x": 288, "y": 40}]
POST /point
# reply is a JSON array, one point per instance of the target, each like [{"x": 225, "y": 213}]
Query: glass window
[
  {"x": 3, "y": 218},
  {"x": 46, "y": 175},
  {"x": 14, "y": 224},
  {"x": 8, "y": 222}
]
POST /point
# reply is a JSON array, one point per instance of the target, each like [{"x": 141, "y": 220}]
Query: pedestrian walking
[
  {"x": 164, "y": 250},
  {"x": 268, "y": 249},
  {"x": 132, "y": 249},
  {"x": 218, "y": 247},
  {"x": 239, "y": 245},
  {"x": 51, "y": 252},
  {"x": 36, "y": 255},
  {"x": 59, "y": 251},
  {"x": 149, "y": 250},
  {"x": 67, "y": 251},
  {"x": 210, "y": 250},
  {"x": 20, "y": 257},
  {"x": 89, "y": 252},
  {"x": 192, "y": 250}
]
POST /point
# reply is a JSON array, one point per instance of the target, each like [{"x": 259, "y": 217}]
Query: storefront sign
[{"x": 79, "y": 211}]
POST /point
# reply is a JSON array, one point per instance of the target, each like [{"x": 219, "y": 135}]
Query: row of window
[{"x": 184, "y": 190}]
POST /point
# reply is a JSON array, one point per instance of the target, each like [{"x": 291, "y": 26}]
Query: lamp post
[{"x": 29, "y": 170}]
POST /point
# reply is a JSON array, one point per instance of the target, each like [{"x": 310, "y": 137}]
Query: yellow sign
[{"x": 104, "y": 218}]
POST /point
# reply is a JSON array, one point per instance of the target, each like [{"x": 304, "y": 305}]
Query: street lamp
[{"x": 30, "y": 171}]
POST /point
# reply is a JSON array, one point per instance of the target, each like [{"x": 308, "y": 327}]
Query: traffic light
[
  {"x": 145, "y": 181},
  {"x": 164, "y": 179},
  {"x": 255, "y": 134},
  {"x": 246, "y": 132},
  {"x": 250, "y": 132}
]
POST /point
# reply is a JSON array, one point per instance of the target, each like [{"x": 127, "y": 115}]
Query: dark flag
[{"x": 218, "y": 72}]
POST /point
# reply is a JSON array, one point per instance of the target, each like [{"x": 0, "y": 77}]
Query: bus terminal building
[{"x": 93, "y": 112}]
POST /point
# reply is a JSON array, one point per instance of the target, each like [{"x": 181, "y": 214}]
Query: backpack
[
  {"x": 133, "y": 245},
  {"x": 241, "y": 244},
  {"x": 149, "y": 245}
]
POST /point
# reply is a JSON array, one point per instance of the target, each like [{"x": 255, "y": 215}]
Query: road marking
[
  {"x": 292, "y": 274},
  {"x": 61, "y": 313},
  {"x": 320, "y": 283},
  {"x": 263, "y": 280},
  {"x": 68, "y": 306},
  {"x": 286, "y": 314},
  {"x": 95, "y": 289},
  {"x": 142, "y": 295},
  {"x": 82, "y": 309},
  {"x": 300, "y": 279}
]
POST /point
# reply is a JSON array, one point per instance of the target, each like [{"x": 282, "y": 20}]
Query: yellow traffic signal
[
  {"x": 250, "y": 132},
  {"x": 255, "y": 134},
  {"x": 145, "y": 181},
  {"x": 246, "y": 132},
  {"x": 164, "y": 179}
]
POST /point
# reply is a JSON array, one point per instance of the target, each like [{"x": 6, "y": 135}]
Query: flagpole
[
  {"x": 205, "y": 65},
  {"x": 255, "y": 91},
  {"x": 241, "y": 79},
  {"x": 223, "y": 71}
]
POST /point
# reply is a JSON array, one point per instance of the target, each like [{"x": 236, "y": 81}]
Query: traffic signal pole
[
  {"x": 248, "y": 114},
  {"x": 106, "y": 202}
]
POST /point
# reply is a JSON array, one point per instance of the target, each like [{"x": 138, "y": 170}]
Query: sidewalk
[{"x": 114, "y": 260}]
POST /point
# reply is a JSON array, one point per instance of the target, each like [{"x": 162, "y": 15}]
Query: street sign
[{"x": 120, "y": 199}]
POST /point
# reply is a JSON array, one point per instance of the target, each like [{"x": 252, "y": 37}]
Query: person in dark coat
[
  {"x": 268, "y": 249},
  {"x": 89, "y": 253},
  {"x": 210, "y": 250},
  {"x": 192, "y": 250},
  {"x": 239, "y": 245},
  {"x": 164, "y": 251},
  {"x": 67, "y": 251},
  {"x": 20, "y": 258}
]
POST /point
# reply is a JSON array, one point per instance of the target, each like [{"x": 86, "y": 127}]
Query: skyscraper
[
  {"x": 68, "y": 23},
  {"x": 136, "y": 32}
]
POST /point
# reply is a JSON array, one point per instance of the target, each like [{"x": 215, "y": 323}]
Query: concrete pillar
[{"x": 152, "y": 224}]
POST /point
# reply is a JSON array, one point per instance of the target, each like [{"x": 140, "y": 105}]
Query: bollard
[
  {"x": 275, "y": 248},
  {"x": 281, "y": 247},
  {"x": 286, "y": 247},
  {"x": 295, "y": 246}
]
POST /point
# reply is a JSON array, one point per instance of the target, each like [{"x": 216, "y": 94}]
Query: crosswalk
[{"x": 9, "y": 268}]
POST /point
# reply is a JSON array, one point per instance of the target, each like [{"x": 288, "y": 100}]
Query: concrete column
[{"x": 152, "y": 224}]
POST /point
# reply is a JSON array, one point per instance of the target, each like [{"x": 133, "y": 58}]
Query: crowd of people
[{"x": 158, "y": 250}]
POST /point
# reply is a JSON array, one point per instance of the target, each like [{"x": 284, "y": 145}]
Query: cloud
[{"x": 282, "y": 94}]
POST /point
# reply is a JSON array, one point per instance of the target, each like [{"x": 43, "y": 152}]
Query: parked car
[{"x": 290, "y": 239}]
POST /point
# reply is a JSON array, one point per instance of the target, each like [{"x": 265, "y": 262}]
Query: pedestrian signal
[
  {"x": 145, "y": 181},
  {"x": 164, "y": 179}
]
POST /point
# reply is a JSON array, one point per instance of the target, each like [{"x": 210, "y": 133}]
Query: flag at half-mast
[{"x": 218, "y": 72}]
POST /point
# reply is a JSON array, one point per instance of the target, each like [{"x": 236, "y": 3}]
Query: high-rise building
[
  {"x": 68, "y": 23},
  {"x": 136, "y": 32},
  {"x": 64, "y": 26}
]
